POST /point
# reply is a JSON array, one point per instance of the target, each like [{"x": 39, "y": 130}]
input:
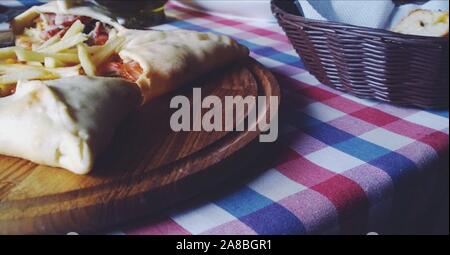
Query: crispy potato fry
[
  {"x": 71, "y": 50},
  {"x": 9, "y": 61},
  {"x": 9, "y": 52},
  {"x": 23, "y": 20},
  {"x": 34, "y": 63},
  {"x": 50, "y": 62},
  {"x": 26, "y": 55},
  {"x": 76, "y": 28},
  {"x": 107, "y": 50},
  {"x": 56, "y": 38},
  {"x": 94, "y": 49},
  {"x": 15, "y": 73},
  {"x": 11, "y": 74},
  {"x": 66, "y": 43},
  {"x": 86, "y": 60},
  {"x": 67, "y": 58},
  {"x": 66, "y": 71}
]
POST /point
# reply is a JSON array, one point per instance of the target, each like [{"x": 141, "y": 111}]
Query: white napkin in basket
[{"x": 368, "y": 13}]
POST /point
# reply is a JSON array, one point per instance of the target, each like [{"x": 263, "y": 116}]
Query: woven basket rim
[{"x": 386, "y": 32}]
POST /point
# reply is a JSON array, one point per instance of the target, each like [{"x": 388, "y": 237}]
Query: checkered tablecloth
[{"x": 347, "y": 165}]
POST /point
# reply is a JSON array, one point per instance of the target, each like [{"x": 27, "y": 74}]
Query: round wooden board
[{"x": 148, "y": 167}]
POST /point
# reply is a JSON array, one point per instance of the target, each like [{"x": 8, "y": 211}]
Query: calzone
[{"x": 66, "y": 122}]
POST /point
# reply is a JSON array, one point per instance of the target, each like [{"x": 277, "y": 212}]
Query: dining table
[{"x": 343, "y": 165}]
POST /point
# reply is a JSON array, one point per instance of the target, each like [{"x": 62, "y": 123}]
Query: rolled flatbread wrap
[
  {"x": 64, "y": 123},
  {"x": 169, "y": 59},
  {"x": 158, "y": 61}
]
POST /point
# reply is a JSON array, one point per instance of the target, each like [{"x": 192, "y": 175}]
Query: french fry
[
  {"x": 11, "y": 61},
  {"x": 19, "y": 23},
  {"x": 35, "y": 63},
  {"x": 94, "y": 49},
  {"x": 9, "y": 52},
  {"x": 76, "y": 28},
  {"x": 66, "y": 71},
  {"x": 66, "y": 58},
  {"x": 86, "y": 60},
  {"x": 13, "y": 67},
  {"x": 15, "y": 73},
  {"x": 11, "y": 74},
  {"x": 56, "y": 38},
  {"x": 71, "y": 50},
  {"x": 110, "y": 48},
  {"x": 50, "y": 62},
  {"x": 26, "y": 55},
  {"x": 66, "y": 43}
]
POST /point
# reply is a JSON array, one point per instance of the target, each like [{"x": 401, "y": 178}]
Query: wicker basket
[{"x": 370, "y": 63}]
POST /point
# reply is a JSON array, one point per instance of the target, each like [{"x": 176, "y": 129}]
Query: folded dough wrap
[
  {"x": 168, "y": 59},
  {"x": 64, "y": 123}
]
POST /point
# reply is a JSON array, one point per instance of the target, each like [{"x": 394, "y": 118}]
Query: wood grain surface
[{"x": 147, "y": 168}]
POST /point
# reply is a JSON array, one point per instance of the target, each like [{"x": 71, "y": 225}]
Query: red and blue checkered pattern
[{"x": 348, "y": 165}]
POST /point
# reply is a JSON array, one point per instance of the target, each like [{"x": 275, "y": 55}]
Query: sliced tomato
[
  {"x": 101, "y": 39},
  {"x": 49, "y": 33},
  {"x": 130, "y": 71},
  {"x": 112, "y": 69},
  {"x": 99, "y": 36}
]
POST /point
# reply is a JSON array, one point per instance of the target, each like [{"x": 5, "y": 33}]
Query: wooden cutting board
[{"x": 147, "y": 168}]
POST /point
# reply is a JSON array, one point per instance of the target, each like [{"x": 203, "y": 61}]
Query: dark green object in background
[{"x": 136, "y": 14}]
